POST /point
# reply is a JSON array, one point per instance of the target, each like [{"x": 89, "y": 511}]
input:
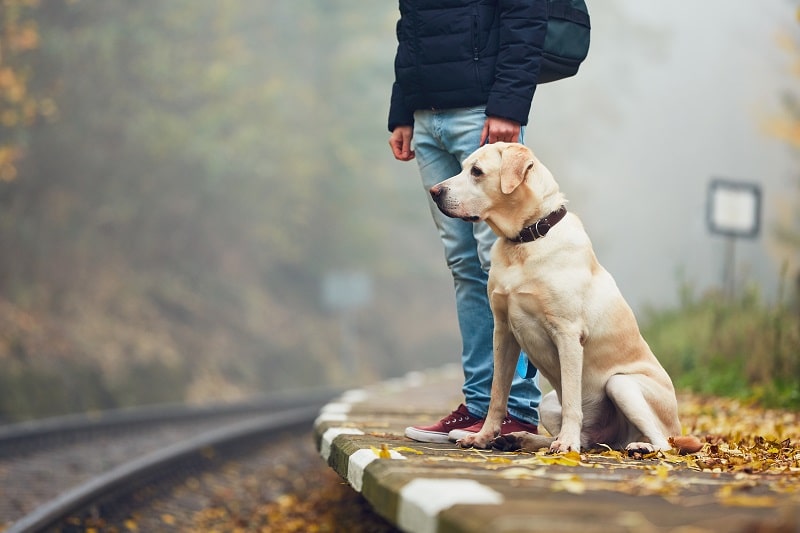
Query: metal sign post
[{"x": 734, "y": 211}]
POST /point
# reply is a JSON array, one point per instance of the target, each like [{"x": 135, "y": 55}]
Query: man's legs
[{"x": 442, "y": 140}]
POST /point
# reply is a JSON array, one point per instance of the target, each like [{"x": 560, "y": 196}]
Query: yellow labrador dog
[{"x": 551, "y": 298}]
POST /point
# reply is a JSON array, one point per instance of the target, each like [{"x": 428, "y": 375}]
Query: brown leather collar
[{"x": 541, "y": 227}]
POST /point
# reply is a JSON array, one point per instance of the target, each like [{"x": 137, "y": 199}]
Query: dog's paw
[
  {"x": 637, "y": 450},
  {"x": 561, "y": 445},
  {"x": 476, "y": 440}
]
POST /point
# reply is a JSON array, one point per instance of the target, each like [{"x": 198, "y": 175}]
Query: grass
[{"x": 737, "y": 346}]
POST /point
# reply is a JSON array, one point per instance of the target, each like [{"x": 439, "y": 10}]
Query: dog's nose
[{"x": 436, "y": 191}]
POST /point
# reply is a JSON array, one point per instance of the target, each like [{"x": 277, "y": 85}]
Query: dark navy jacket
[{"x": 463, "y": 53}]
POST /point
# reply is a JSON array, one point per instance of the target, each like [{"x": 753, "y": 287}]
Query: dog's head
[{"x": 503, "y": 184}]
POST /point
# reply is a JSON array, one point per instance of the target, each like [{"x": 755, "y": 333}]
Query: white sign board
[{"x": 734, "y": 208}]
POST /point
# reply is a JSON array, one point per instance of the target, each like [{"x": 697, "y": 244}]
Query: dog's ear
[{"x": 515, "y": 164}]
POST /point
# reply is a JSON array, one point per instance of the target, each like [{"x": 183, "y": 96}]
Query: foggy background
[
  {"x": 206, "y": 206},
  {"x": 665, "y": 103}
]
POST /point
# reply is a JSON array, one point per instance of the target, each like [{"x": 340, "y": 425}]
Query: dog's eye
[{"x": 476, "y": 172}]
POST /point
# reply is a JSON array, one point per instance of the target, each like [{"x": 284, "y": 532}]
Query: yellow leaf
[
  {"x": 563, "y": 460},
  {"x": 573, "y": 485},
  {"x": 408, "y": 450},
  {"x": 661, "y": 471},
  {"x": 572, "y": 454},
  {"x": 384, "y": 453},
  {"x": 742, "y": 500},
  {"x": 610, "y": 452}
]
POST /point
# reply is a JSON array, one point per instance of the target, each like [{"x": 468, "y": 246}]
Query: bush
[{"x": 731, "y": 346}]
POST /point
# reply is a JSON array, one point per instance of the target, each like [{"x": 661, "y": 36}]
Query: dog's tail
[{"x": 686, "y": 444}]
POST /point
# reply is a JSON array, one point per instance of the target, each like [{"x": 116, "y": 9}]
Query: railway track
[{"x": 56, "y": 469}]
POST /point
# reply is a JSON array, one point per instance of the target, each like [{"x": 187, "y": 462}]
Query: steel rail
[
  {"x": 14, "y": 436},
  {"x": 127, "y": 477}
]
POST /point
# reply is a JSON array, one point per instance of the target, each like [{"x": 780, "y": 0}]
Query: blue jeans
[{"x": 442, "y": 140}]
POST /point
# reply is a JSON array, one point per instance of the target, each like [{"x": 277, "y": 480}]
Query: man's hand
[
  {"x": 400, "y": 142},
  {"x": 497, "y": 129}
]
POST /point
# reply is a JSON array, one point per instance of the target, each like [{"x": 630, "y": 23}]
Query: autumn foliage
[
  {"x": 20, "y": 105},
  {"x": 787, "y": 126},
  {"x": 163, "y": 221},
  {"x": 176, "y": 183}
]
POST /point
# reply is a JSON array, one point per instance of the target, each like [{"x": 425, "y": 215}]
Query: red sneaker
[
  {"x": 509, "y": 425},
  {"x": 438, "y": 432}
]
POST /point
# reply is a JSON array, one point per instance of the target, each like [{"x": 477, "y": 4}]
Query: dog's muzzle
[{"x": 439, "y": 195}]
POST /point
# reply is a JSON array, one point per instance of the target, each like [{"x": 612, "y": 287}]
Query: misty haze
[{"x": 198, "y": 202}]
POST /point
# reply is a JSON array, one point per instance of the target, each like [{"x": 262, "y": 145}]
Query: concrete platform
[{"x": 426, "y": 488}]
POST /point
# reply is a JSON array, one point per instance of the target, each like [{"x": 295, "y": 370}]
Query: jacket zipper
[
  {"x": 475, "y": 36},
  {"x": 475, "y": 39}
]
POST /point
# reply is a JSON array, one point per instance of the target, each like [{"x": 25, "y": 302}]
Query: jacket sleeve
[
  {"x": 523, "y": 26},
  {"x": 399, "y": 115}
]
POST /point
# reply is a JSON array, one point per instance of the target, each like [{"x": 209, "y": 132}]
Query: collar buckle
[{"x": 541, "y": 227}]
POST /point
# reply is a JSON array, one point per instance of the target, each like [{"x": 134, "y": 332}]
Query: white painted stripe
[
  {"x": 354, "y": 396},
  {"x": 330, "y": 417},
  {"x": 358, "y": 463},
  {"x": 332, "y": 433},
  {"x": 355, "y": 467},
  {"x": 336, "y": 407},
  {"x": 421, "y": 500}
]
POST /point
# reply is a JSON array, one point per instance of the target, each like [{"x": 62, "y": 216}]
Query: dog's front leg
[
  {"x": 506, "y": 355},
  {"x": 570, "y": 353}
]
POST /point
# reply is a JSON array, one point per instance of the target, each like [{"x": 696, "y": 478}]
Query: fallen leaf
[
  {"x": 407, "y": 450},
  {"x": 573, "y": 485},
  {"x": 563, "y": 460},
  {"x": 743, "y": 500},
  {"x": 384, "y": 453},
  {"x": 499, "y": 460}
]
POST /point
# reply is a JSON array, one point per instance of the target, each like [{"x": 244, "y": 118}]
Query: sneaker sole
[
  {"x": 458, "y": 434},
  {"x": 426, "y": 436}
]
